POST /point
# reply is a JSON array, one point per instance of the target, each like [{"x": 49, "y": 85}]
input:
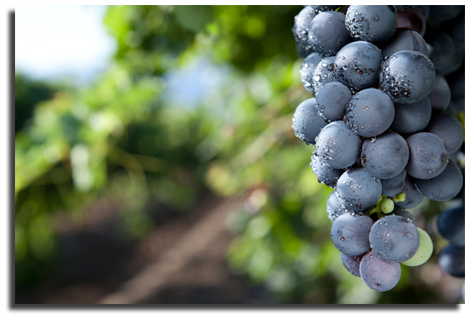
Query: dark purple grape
[
  {"x": 350, "y": 234},
  {"x": 393, "y": 186},
  {"x": 325, "y": 174},
  {"x": 327, "y": 33},
  {"x": 449, "y": 129},
  {"x": 440, "y": 94},
  {"x": 394, "y": 238},
  {"x": 411, "y": 118},
  {"x": 444, "y": 186},
  {"x": 452, "y": 260},
  {"x": 307, "y": 69},
  {"x": 338, "y": 146},
  {"x": 357, "y": 65},
  {"x": 407, "y": 76},
  {"x": 404, "y": 39},
  {"x": 444, "y": 49},
  {"x": 358, "y": 190},
  {"x": 413, "y": 196},
  {"x": 385, "y": 156},
  {"x": 332, "y": 100},
  {"x": 307, "y": 123},
  {"x": 370, "y": 112},
  {"x": 378, "y": 274},
  {"x": 457, "y": 60},
  {"x": 428, "y": 155},
  {"x": 352, "y": 263},
  {"x": 451, "y": 225},
  {"x": 372, "y": 23}
]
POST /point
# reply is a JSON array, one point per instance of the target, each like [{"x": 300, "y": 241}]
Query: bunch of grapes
[{"x": 388, "y": 92}]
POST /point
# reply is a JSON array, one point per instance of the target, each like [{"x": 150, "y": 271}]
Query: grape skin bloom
[
  {"x": 428, "y": 155},
  {"x": 337, "y": 145},
  {"x": 370, "y": 112},
  {"x": 394, "y": 239},
  {"x": 385, "y": 156},
  {"x": 350, "y": 234},
  {"x": 378, "y": 274},
  {"x": 358, "y": 190},
  {"x": 407, "y": 76},
  {"x": 307, "y": 123}
]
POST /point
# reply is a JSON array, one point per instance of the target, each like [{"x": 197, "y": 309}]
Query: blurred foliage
[
  {"x": 126, "y": 137},
  {"x": 27, "y": 94}
]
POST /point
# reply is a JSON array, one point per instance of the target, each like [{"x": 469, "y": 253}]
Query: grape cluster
[{"x": 388, "y": 89}]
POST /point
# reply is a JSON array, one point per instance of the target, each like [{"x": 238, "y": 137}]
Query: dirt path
[{"x": 181, "y": 262}]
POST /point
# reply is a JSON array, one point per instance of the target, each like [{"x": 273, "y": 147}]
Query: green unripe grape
[{"x": 424, "y": 250}]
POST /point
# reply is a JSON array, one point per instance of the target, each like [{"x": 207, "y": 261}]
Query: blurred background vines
[{"x": 196, "y": 100}]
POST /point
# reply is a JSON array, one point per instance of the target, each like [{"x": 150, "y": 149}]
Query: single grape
[
  {"x": 370, "y": 112},
  {"x": 452, "y": 260},
  {"x": 444, "y": 186},
  {"x": 325, "y": 174},
  {"x": 413, "y": 196},
  {"x": 424, "y": 251},
  {"x": 372, "y": 23},
  {"x": 307, "y": 123},
  {"x": 457, "y": 60},
  {"x": 404, "y": 39},
  {"x": 358, "y": 190},
  {"x": 327, "y": 33},
  {"x": 357, "y": 65},
  {"x": 385, "y": 156},
  {"x": 407, "y": 76},
  {"x": 411, "y": 118},
  {"x": 351, "y": 263},
  {"x": 449, "y": 129},
  {"x": 440, "y": 94},
  {"x": 428, "y": 155},
  {"x": 378, "y": 274},
  {"x": 350, "y": 233},
  {"x": 451, "y": 225},
  {"x": 337, "y": 146},
  {"x": 444, "y": 49},
  {"x": 307, "y": 69},
  {"x": 394, "y": 238},
  {"x": 393, "y": 186},
  {"x": 332, "y": 100}
]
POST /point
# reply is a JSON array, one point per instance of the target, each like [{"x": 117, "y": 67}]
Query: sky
[
  {"x": 57, "y": 42},
  {"x": 70, "y": 43}
]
